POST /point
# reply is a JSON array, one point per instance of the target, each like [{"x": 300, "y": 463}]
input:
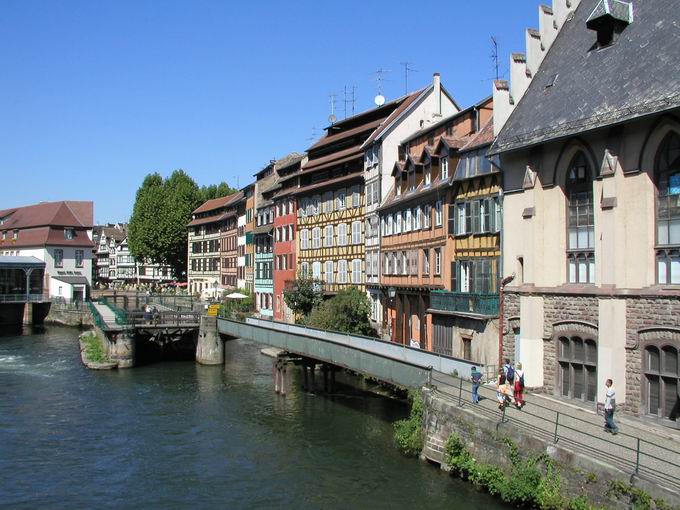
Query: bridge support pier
[
  {"x": 122, "y": 349},
  {"x": 210, "y": 347}
]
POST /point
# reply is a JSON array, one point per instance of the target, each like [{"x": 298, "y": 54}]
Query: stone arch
[
  {"x": 567, "y": 153},
  {"x": 653, "y": 140},
  {"x": 574, "y": 327}
]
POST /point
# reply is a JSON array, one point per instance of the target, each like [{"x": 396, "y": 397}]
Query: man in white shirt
[{"x": 610, "y": 408}]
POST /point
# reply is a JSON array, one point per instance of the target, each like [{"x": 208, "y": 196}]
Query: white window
[
  {"x": 398, "y": 186},
  {"x": 342, "y": 234},
  {"x": 69, "y": 233},
  {"x": 417, "y": 213},
  {"x": 437, "y": 261},
  {"x": 58, "y": 258},
  {"x": 317, "y": 205},
  {"x": 304, "y": 239},
  {"x": 389, "y": 224},
  {"x": 356, "y": 196},
  {"x": 369, "y": 193},
  {"x": 80, "y": 254},
  {"x": 328, "y": 236},
  {"x": 427, "y": 216},
  {"x": 356, "y": 232},
  {"x": 328, "y": 202},
  {"x": 316, "y": 270},
  {"x": 428, "y": 174},
  {"x": 397, "y": 223},
  {"x": 342, "y": 271},
  {"x": 407, "y": 220},
  {"x": 328, "y": 271},
  {"x": 383, "y": 225},
  {"x": 356, "y": 271},
  {"x": 316, "y": 237},
  {"x": 404, "y": 263},
  {"x": 444, "y": 162},
  {"x": 340, "y": 200},
  {"x": 438, "y": 213},
  {"x": 426, "y": 262},
  {"x": 304, "y": 268},
  {"x": 463, "y": 218}
]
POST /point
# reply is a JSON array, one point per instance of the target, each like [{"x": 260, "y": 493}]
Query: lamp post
[{"x": 504, "y": 282}]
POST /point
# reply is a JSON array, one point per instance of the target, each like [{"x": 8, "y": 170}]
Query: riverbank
[{"x": 521, "y": 467}]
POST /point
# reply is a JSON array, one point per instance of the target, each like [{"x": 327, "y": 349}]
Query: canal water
[{"x": 180, "y": 435}]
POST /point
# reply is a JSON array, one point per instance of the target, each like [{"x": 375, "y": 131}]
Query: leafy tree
[
  {"x": 143, "y": 234},
  {"x": 216, "y": 191},
  {"x": 348, "y": 312},
  {"x": 181, "y": 197},
  {"x": 303, "y": 295},
  {"x": 158, "y": 226}
]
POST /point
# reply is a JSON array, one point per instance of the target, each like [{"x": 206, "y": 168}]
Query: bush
[
  {"x": 408, "y": 433},
  {"x": 549, "y": 495},
  {"x": 347, "y": 312},
  {"x": 93, "y": 349},
  {"x": 520, "y": 488}
]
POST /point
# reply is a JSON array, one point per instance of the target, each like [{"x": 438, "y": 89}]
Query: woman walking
[{"x": 519, "y": 387}]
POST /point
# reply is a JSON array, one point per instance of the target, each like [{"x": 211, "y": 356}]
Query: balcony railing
[{"x": 479, "y": 304}]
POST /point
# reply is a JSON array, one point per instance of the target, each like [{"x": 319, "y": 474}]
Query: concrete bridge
[{"x": 385, "y": 361}]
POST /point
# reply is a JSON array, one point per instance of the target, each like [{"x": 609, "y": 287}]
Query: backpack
[
  {"x": 510, "y": 374},
  {"x": 521, "y": 382}
]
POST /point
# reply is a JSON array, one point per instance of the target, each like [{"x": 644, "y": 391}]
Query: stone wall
[
  {"x": 485, "y": 438},
  {"x": 511, "y": 310},
  {"x": 69, "y": 317}
]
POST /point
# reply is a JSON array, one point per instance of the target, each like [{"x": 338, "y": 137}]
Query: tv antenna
[
  {"x": 331, "y": 118},
  {"x": 494, "y": 54},
  {"x": 407, "y": 69},
  {"x": 380, "y": 78},
  {"x": 315, "y": 132},
  {"x": 349, "y": 97}
]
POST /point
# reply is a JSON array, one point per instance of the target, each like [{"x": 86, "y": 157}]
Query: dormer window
[
  {"x": 444, "y": 162},
  {"x": 428, "y": 174},
  {"x": 16, "y": 235},
  {"x": 69, "y": 233},
  {"x": 398, "y": 186},
  {"x": 609, "y": 18}
]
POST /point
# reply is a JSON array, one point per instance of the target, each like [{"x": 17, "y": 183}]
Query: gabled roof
[
  {"x": 580, "y": 87},
  {"x": 403, "y": 108},
  {"x": 218, "y": 203},
  {"x": 60, "y": 214},
  {"x": 483, "y": 137}
]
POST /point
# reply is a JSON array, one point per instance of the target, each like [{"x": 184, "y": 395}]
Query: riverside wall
[{"x": 486, "y": 439}]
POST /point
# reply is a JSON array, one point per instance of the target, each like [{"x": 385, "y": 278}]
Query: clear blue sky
[{"x": 95, "y": 95}]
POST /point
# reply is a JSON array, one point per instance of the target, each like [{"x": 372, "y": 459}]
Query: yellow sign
[{"x": 212, "y": 310}]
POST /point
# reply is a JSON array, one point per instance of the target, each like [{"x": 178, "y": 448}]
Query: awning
[{"x": 72, "y": 280}]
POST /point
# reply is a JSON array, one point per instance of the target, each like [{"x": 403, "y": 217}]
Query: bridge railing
[
  {"x": 164, "y": 318},
  {"x": 438, "y": 362},
  {"x": 98, "y": 319}
]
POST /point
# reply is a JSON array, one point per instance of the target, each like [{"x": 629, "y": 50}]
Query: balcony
[{"x": 465, "y": 303}]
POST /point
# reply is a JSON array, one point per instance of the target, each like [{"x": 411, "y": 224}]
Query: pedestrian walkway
[
  {"x": 107, "y": 315},
  {"x": 637, "y": 449}
]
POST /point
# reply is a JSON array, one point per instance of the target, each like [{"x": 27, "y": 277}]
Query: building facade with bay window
[{"x": 592, "y": 212}]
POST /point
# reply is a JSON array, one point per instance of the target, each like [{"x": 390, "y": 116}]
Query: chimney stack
[{"x": 437, "y": 86}]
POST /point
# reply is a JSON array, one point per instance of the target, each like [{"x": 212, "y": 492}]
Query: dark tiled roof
[
  {"x": 408, "y": 101},
  {"x": 419, "y": 193},
  {"x": 212, "y": 219},
  {"x": 319, "y": 186},
  {"x": 593, "y": 88}
]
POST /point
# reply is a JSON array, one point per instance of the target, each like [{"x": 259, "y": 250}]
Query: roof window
[{"x": 609, "y": 18}]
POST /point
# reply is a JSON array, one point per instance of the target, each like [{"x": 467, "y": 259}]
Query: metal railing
[
  {"x": 480, "y": 304},
  {"x": 628, "y": 452},
  {"x": 164, "y": 318},
  {"x": 98, "y": 319},
  {"x": 23, "y": 298}
]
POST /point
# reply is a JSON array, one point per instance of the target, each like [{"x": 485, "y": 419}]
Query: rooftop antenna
[
  {"x": 380, "y": 78},
  {"x": 407, "y": 69},
  {"x": 315, "y": 132},
  {"x": 351, "y": 99},
  {"x": 494, "y": 54},
  {"x": 331, "y": 118}
]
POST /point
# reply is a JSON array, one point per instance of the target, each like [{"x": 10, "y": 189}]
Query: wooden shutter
[{"x": 452, "y": 220}]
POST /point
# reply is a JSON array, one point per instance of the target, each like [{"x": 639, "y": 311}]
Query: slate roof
[{"x": 593, "y": 88}]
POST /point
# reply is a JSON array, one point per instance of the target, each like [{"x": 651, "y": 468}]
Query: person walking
[
  {"x": 519, "y": 387},
  {"x": 509, "y": 372},
  {"x": 610, "y": 408},
  {"x": 502, "y": 390},
  {"x": 476, "y": 378}
]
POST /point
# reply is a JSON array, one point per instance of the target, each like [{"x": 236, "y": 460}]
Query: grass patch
[{"x": 93, "y": 349}]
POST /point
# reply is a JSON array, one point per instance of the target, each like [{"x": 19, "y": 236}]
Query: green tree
[
  {"x": 348, "y": 312},
  {"x": 143, "y": 232},
  {"x": 158, "y": 226},
  {"x": 216, "y": 191},
  {"x": 303, "y": 295}
]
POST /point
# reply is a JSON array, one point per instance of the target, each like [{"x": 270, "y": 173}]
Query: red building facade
[{"x": 285, "y": 216}]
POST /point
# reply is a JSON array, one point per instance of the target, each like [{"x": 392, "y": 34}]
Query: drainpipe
[{"x": 504, "y": 282}]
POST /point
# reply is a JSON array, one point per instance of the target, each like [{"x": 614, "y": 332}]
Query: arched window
[
  {"x": 577, "y": 358},
  {"x": 661, "y": 378},
  {"x": 668, "y": 210},
  {"x": 580, "y": 222}
]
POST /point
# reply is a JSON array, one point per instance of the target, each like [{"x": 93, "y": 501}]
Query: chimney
[{"x": 437, "y": 89}]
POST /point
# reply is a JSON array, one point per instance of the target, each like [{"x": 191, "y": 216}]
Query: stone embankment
[
  {"x": 69, "y": 315},
  {"x": 92, "y": 352}
]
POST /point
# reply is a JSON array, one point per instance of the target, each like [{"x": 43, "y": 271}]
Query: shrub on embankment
[
  {"x": 536, "y": 481},
  {"x": 409, "y": 436}
]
